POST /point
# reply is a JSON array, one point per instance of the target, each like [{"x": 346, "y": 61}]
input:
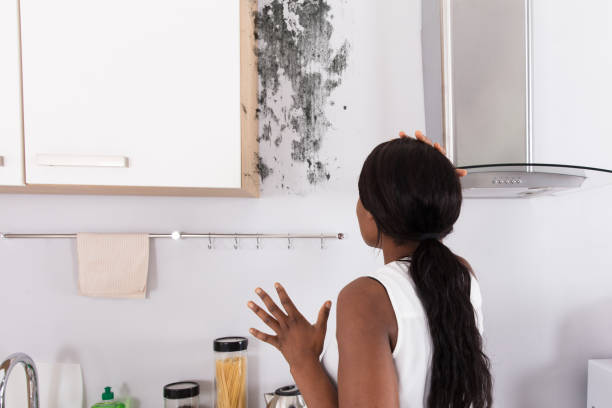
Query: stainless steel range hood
[{"x": 481, "y": 107}]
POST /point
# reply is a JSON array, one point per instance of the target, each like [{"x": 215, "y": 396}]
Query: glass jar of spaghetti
[{"x": 230, "y": 372}]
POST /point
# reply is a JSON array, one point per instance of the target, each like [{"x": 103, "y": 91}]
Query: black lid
[
  {"x": 230, "y": 344},
  {"x": 181, "y": 389},
  {"x": 288, "y": 391}
]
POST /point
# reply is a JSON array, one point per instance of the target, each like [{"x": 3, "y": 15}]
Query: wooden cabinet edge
[
  {"x": 249, "y": 83},
  {"x": 128, "y": 190}
]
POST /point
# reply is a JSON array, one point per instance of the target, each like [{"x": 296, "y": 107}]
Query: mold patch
[
  {"x": 262, "y": 168},
  {"x": 266, "y": 133},
  {"x": 299, "y": 69}
]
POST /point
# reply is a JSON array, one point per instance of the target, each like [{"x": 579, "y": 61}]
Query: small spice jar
[
  {"x": 184, "y": 394},
  {"x": 230, "y": 372}
]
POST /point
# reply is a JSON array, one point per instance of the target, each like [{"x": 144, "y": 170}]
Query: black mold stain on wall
[
  {"x": 262, "y": 168},
  {"x": 294, "y": 36}
]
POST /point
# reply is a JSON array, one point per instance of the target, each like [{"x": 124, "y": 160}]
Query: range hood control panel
[
  {"x": 506, "y": 180},
  {"x": 496, "y": 183}
]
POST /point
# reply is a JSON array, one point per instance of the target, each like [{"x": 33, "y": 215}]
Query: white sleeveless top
[{"x": 412, "y": 353}]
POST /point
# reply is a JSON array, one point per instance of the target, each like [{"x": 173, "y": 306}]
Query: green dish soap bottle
[{"x": 108, "y": 400}]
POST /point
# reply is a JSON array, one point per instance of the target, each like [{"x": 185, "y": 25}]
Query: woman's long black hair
[{"x": 414, "y": 194}]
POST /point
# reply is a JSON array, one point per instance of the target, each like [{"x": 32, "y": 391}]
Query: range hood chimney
[{"x": 481, "y": 106}]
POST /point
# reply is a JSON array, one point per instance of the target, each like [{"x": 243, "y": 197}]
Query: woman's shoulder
[
  {"x": 373, "y": 288},
  {"x": 365, "y": 298},
  {"x": 362, "y": 288}
]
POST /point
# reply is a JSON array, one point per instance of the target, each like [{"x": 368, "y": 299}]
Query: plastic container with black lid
[
  {"x": 230, "y": 372},
  {"x": 184, "y": 394}
]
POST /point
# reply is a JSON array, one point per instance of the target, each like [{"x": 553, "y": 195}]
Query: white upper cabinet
[
  {"x": 572, "y": 85},
  {"x": 136, "y": 93},
  {"x": 11, "y": 141}
]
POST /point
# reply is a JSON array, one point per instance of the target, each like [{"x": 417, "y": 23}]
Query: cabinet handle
[
  {"x": 70, "y": 160},
  {"x": 1, "y": 161}
]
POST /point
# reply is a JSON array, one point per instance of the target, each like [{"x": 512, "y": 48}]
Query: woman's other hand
[
  {"x": 297, "y": 339},
  {"x": 422, "y": 138}
]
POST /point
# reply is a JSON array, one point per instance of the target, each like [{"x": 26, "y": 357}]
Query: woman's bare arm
[
  {"x": 315, "y": 386},
  {"x": 366, "y": 326},
  {"x": 366, "y": 329}
]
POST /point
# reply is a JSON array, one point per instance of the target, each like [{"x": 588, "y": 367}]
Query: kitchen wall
[
  {"x": 546, "y": 281},
  {"x": 543, "y": 263}
]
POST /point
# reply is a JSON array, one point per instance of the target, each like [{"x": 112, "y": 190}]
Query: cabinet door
[
  {"x": 136, "y": 93},
  {"x": 11, "y": 142},
  {"x": 572, "y": 83}
]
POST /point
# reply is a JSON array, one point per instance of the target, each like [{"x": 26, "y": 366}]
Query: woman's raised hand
[
  {"x": 297, "y": 339},
  {"x": 422, "y": 138}
]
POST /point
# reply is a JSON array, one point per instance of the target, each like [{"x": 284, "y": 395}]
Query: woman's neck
[{"x": 392, "y": 251}]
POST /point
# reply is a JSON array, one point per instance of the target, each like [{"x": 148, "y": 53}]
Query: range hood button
[{"x": 506, "y": 181}]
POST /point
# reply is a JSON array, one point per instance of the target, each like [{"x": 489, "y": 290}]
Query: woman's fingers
[
  {"x": 418, "y": 135},
  {"x": 422, "y": 138},
  {"x": 440, "y": 148},
  {"x": 286, "y": 301},
  {"x": 265, "y": 317},
  {"x": 272, "y": 307},
  {"x": 267, "y": 338},
  {"x": 323, "y": 316}
]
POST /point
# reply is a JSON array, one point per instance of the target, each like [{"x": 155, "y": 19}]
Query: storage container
[
  {"x": 230, "y": 372},
  {"x": 184, "y": 394}
]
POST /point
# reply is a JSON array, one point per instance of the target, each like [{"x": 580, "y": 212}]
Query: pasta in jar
[{"x": 230, "y": 372}]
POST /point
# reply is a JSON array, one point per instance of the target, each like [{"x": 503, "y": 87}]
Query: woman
[{"x": 409, "y": 334}]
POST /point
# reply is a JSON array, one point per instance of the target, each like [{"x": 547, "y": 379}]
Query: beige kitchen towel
[{"x": 113, "y": 265}]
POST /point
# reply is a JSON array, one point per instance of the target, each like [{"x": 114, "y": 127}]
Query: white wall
[
  {"x": 544, "y": 264},
  {"x": 546, "y": 276}
]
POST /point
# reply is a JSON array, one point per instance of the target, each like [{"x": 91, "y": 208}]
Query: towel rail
[{"x": 176, "y": 235}]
